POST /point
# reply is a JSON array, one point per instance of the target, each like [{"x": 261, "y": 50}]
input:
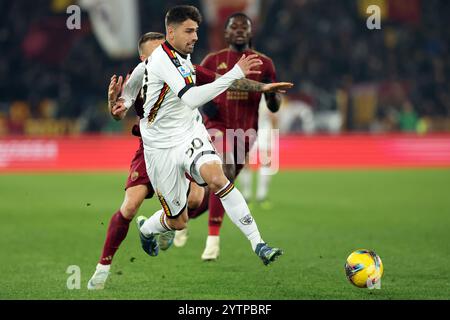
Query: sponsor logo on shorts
[
  {"x": 134, "y": 175},
  {"x": 176, "y": 202},
  {"x": 248, "y": 219}
]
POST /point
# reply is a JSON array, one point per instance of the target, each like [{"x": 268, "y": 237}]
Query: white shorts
[{"x": 166, "y": 169}]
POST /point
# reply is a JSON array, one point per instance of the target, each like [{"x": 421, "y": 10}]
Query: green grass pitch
[{"x": 52, "y": 221}]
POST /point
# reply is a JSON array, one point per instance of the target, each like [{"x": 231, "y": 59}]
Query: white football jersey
[{"x": 167, "y": 120}]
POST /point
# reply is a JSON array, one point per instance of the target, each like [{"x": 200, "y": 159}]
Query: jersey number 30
[{"x": 196, "y": 144}]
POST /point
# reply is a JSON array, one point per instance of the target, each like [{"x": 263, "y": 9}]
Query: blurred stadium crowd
[{"x": 347, "y": 77}]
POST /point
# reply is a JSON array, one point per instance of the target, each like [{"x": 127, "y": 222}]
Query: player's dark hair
[
  {"x": 237, "y": 14},
  {"x": 179, "y": 14},
  {"x": 149, "y": 36}
]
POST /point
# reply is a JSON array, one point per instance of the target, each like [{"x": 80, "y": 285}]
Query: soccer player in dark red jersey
[{"x": 234, "y": 110}]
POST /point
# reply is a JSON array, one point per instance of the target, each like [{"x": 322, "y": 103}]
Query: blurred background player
[
  {"x": 233, "y": 110},
  {"x": 267, "y": 122}
]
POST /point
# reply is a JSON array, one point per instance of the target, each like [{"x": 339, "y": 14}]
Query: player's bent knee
[
  {"x": 217, "y": 182},
  {"x": 194, "y": 203},
  {"x": 195, "y": 197}
]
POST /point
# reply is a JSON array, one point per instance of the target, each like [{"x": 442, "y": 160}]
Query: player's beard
[
  {"x": 241, "y": 46},
  {"x": 190, "y": 48},
  {"x": 240, "y": 42}
]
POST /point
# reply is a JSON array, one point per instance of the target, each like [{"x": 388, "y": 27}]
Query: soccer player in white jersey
[{"x": 176, "y": 141}]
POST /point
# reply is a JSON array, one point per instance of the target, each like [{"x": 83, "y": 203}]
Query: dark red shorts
[
  {"x": 226, "y": 143},
  {"x": 138, "y": 172}
]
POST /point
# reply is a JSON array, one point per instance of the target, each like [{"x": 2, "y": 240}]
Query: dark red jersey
[
  {"x": 237, "y": 109},
  {"x": 203, "y": 75}
]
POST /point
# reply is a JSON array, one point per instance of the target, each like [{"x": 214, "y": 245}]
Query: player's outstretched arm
[
  {"x": 272, "y": 91},
  {"x": 255, "y": 86},
  {"x": 195, "y": 97},
  {"x": 132, "y": 85}
]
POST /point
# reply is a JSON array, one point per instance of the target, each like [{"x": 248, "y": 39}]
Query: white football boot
[
  {"x": 181, "y": 237},
  {"x": 97, "y": 282},
  {"x": 212, "y": 249}
]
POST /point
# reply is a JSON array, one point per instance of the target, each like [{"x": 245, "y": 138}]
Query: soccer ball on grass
[{"x": 364, "y": 269}]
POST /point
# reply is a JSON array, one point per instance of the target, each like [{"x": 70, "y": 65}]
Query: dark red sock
[
  {"x": 194, "y": 213},
  {"x": 216, "y": 212},
  {"x": 117, "y": 231}
]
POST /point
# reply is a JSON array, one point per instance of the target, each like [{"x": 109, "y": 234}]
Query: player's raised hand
[
  {"x": 277, "y": 87},
  {"x": 248, "y": 64},
  {"x": 114, "y": 89},
  {"x": 118, "y": 110}
]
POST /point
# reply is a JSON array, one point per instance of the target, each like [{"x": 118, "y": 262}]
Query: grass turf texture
[{"x": 51, "y": 221}]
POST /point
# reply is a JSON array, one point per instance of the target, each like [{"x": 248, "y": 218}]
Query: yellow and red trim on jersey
[
  {"x": 188, "y": 80},
  {"x": 173, "y": 57},
  {"x": 170, "y": 52},
  {"x": 152, "y": 115}
]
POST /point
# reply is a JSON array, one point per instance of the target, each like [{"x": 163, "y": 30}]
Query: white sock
[
  {"x": 103, "y": 267},
  {"x": 156, "y": 224},
  {"x": 236, "y": 208},
  {"x": 245, "y": 179},
  {"x": 263, "y": 183}
]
